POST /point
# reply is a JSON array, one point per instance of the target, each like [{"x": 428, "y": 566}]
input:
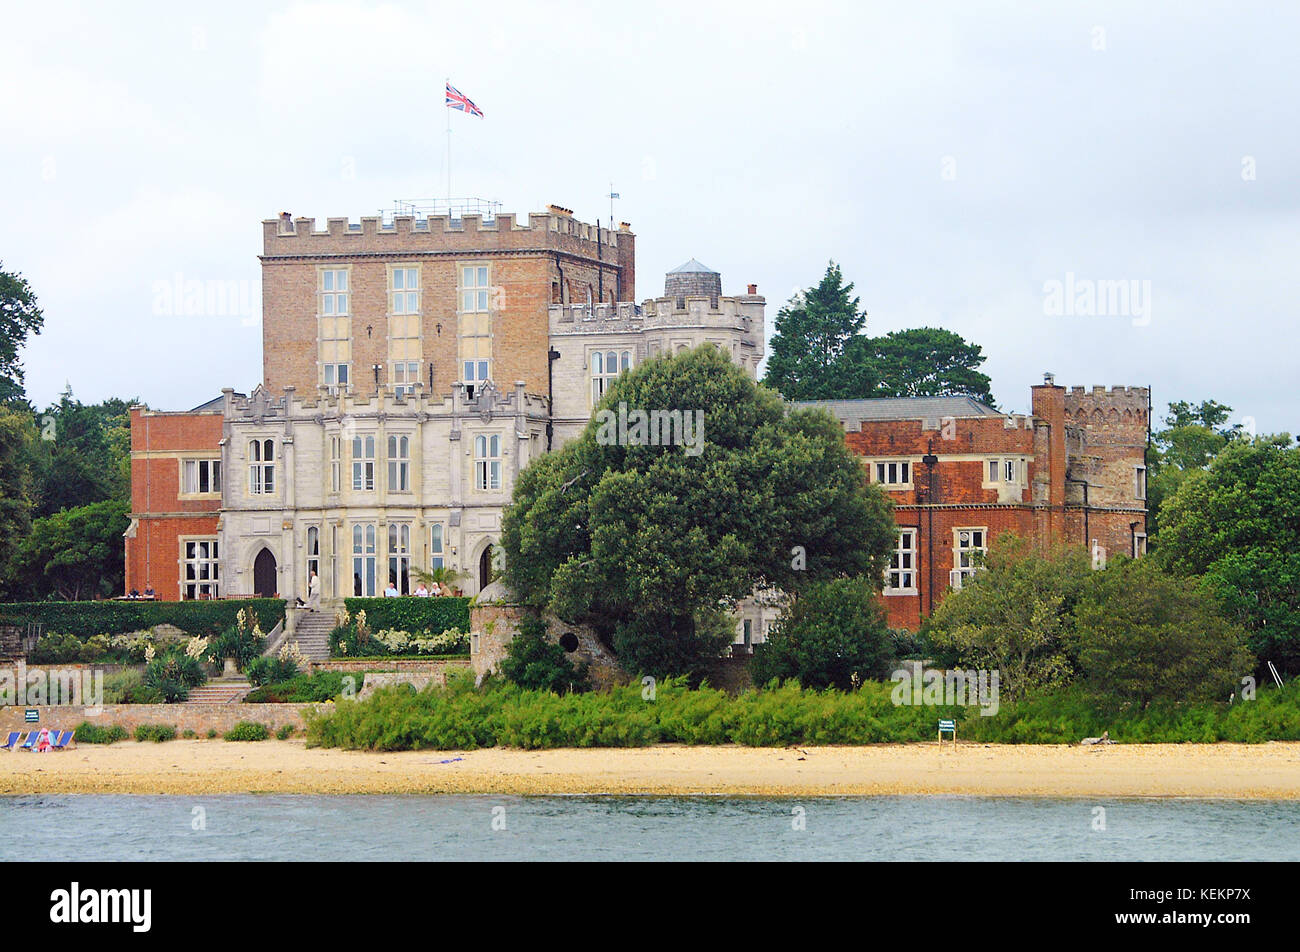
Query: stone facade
[{"x": 365, "y": 478}]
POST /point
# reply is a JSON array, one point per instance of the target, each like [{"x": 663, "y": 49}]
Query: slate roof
[
  {"x": 853, "y": 412},
  {"x": 692, "y": 267}
]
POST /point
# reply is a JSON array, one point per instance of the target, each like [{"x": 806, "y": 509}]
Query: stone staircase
[
  {"x": 220, "y": 691},
  {"x": 312, "y": 632}
]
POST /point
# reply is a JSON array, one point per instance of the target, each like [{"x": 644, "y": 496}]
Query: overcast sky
[{"x": 954, "y": 158}]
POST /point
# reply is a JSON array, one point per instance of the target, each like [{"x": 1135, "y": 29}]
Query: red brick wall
[{"x": 158, "y": 442}]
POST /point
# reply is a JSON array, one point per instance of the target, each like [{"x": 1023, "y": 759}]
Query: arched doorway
[
  {"x": 485, "y": 568},
  {"x": 264, "y": 583}
]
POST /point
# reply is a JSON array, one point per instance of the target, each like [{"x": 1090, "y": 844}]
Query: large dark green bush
[
  {"x": 83, "y": 619},
  {"x": 532, "y": 661},
  {"x": 431, "y": 615},
  {"x": 248, "y": 730},
  {"x": 834, "y": 635},
  {"x": 88, "y": 733}
]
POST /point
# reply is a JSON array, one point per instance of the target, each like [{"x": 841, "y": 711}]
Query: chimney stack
[{"x": 753, "y": 289}]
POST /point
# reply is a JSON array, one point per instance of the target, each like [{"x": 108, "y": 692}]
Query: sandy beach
[{"x": 214, "y": 766}]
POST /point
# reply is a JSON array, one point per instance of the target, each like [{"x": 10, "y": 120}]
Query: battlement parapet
[
  {"x": 1115, "y": 405},
  {"x": 734, "y": 312},
  {"x": 403, "y": 233},
  {"x": 331, "y": 404}
]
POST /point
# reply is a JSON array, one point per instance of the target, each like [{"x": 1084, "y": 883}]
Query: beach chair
[
  {"x": 63, "y": 742},
  {"x": 14, "y": 738},
  {"x": 947, "y": 726},
  {"x": 30, "y": 743}
]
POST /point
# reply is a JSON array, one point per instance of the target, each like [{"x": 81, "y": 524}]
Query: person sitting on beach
[
  {"x": 421, "y": 591},
  {"x": 391, "y": 591},
  {"x": 43, "y": 740}
]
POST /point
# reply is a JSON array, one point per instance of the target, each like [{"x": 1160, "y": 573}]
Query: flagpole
[{"x": 446, "y": 107}]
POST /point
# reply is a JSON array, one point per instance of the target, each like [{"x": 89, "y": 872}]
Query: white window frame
[
  {"x": 890, "y": 472},
  {"x": 201, "y": 556},
  {"x": 437, "y": 541},
  {"x": 404, "y": 289},
  {"x": 399, "y": 556},
  {"x": 474, "y": 284},
  {"x": 261, "y": 467},
  {"x": 363, "y": 463},
  {"x": 335, "y": 292},
  {"x": 1139, "y": 544},
  {"x": 399, "y": 463},
  {"x": 487, "y": 462},
  {"x": 1140, "y": 482},
  {"x": 404, "y": 375},
  {"x": 601, "y": 375},
  {"x": 364, "y": 560},
  {"x": 312, "y": 546},
  {"x": 336, "y": 464},
  {"x": 336, "y": 378},
  {"x": 963, "y": 553},
  {"x": 905, "y": 550},
  {"x": 194, "y": 472}
]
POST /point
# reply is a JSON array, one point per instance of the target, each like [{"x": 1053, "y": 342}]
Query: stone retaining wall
[{"x": 199, "y": 718}]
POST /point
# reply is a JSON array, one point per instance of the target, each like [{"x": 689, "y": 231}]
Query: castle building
[
  {"x": 960, "y": 473},
  {"x": 412, "y": 368}
]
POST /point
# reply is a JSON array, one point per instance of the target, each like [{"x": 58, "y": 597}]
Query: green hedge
[
  {"x": 112, "y": 618},
  {"x": 434, "y": 615}
]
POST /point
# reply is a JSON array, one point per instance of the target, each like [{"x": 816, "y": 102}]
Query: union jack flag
[{"x": 458, "y": 100}]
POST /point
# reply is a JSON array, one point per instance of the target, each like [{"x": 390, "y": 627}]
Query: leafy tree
[
  {"x": 1191, "y": 438},
  {"x": 647, "y": 542},
  {"x": 1238, "y": 524},
  {"x": 819, "y": 352},
  {"x": 919, "y": 362},
  {"x": 533, "y": 661},
  {"x": 1145, "y": 635},
  {"x": 16, "y": 435},
  {"x": 832, "y": 635},
  {"x": 84, "y": 454},
  {"x": 1015, "y": 616},
  {"x": 73, "y": 554},
  {"x": 19, "y": 316},
  {"x": 812, "y": 330}
]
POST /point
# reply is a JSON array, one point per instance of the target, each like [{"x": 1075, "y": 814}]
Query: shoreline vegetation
[
  {"x": 462, "y": 717},
  {"x": 208, "y": 767}
]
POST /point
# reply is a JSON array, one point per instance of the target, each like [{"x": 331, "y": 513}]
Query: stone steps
[
  {"x": 312, "y": 632},
  {"x": 219, "y": 692}
]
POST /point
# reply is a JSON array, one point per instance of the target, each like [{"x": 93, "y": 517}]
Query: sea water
[{"x": 78, "y": 827}]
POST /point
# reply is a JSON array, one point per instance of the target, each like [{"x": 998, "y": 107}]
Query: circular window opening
[{"x": 569, "y": 641}]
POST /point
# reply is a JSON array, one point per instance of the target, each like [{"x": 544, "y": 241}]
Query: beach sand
[{"x": 216, "y": 766}]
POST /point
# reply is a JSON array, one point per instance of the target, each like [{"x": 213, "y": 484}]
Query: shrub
[
  {"x": 155, "y": 732},
  {"x": 247, "y": 730},
  {"x": 128, "y": 687},
  {"x": 85, "y": 619},
  {"x": 212, "y": 733},
  {"x": 426, "y": 615},
  {"x": 244, "y": 641},
  {"x": 285, "y": 732},
  {"x": 833, "y": 635},
  {"x": 305, "y": 688},
  {"x": 189, "y": 734},
  {"x": 173, "y": 675},
  {"x": 459, "y": 717},
  {"x": 1015, "y": 617},
  {"x": 88, "y": 733},
  {"x": 534, "y": 662},
  {"x": 1145, "y": 635}
]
